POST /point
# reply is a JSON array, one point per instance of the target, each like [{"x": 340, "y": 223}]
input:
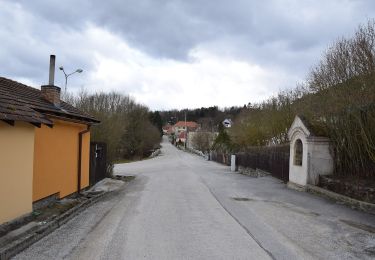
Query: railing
[
  {"x": 272, "y": 159},
  {"x": 220, "y": 157}
]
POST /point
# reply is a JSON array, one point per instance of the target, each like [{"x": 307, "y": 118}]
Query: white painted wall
[
  {"x": 298, "y": 173},
  {"x": 320, "y": 159}
]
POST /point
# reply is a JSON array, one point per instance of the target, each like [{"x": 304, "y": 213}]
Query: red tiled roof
[
  {"x": 19, "y": 102},
  {"x": 189, "y": 124}
]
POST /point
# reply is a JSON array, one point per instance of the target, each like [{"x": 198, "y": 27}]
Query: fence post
[{"x": 233, "y": 163}]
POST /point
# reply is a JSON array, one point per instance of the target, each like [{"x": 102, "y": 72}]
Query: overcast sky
[{"x": 174, "y": 54}]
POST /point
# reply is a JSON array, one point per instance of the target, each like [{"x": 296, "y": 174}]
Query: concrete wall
[
  {"x": 16, "y": 170},
  {"x": 190, "y": 136},
  {"x": 56, "y": 159},
  {"x": 319, "y": 158}
]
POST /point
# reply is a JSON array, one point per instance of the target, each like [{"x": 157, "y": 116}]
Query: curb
[
  {"x": 24, "y": 242},
  {"x": 353, "y": 203},
  {"x": 295, "y": 186}
]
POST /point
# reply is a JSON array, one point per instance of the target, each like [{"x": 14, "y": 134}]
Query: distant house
[
  {"x": 227, "y": 123},
  {"x": 45, "y": 145},
  {"x": 183, "y": 126}
]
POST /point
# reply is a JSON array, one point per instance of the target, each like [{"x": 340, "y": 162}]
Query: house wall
[
  {"x": 56, "y": 159},
  {"x": 298, "y": 173},
  {"x": 16, "y": 170},
  {"x": 178, "y": 129}
]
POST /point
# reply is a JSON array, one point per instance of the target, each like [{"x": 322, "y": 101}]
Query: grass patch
[
  {"x": 119, "y": 161},
  {"x": 53, "y": 210}
]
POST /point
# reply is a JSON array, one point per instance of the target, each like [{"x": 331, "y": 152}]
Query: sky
[{"x": 174, "y": 54}]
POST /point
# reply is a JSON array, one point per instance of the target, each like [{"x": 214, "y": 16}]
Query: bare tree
[
  {"x": 125, "y": 125},
  {"x": 202, "y": 141}
]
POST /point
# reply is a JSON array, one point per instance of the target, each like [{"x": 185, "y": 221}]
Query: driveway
[{"x": 182, "y": 207}]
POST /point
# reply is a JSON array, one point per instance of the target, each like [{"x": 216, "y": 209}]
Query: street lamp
[{"x": 67, "y": 75}]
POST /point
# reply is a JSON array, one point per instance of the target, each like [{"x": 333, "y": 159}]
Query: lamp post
[{"x": 67, "y": 75}]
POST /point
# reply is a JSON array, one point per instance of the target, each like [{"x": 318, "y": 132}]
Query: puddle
[
  {"x": 242, "y": 199},
  {"x": 361, "y": 226}
]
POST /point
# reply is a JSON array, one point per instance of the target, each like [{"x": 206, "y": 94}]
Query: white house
[{"x": 227, "y": 123}]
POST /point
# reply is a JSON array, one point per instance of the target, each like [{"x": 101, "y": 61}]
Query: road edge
[{"x": 26, "y": 241}]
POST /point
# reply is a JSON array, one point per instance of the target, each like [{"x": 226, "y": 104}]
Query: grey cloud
[
  {"x": 172, "y": 28},
  {"x": 284, "y": 34}
]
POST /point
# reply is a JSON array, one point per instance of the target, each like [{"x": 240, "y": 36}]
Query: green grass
[{"x": 118, "y": 161}]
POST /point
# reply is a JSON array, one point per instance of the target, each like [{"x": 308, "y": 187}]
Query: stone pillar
[{"x": 233, "y": 163}]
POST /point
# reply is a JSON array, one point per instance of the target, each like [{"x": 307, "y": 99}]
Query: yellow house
[
  {"x": 17, "y": 137},
  {"x": 17, "y": 142},
  {"x": 61, "y": 152},
  {"x": 45, "y": 147}
]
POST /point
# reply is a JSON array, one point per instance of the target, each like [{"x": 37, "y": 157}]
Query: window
[{"x": 298, "y": 152}]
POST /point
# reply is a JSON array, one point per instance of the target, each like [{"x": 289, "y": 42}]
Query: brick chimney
[{"x": 51, "y": 92}]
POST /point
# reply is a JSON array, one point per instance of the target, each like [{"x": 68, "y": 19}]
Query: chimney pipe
[
  {"x": 52, "y": 60},
  {"x": 50, "y": 92}
]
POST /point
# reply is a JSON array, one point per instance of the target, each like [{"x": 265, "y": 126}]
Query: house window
[{"x": 298, "y": 152}]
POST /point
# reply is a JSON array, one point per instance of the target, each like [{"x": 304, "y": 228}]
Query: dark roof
[
  {"x": 13, "y": 110},
  {"x": 19, "y": 102}
]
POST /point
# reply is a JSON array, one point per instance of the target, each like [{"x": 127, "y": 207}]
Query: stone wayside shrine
[{"x": 310, "y": 155}]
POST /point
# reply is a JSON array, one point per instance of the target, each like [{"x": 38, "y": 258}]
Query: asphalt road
[{"x": 182, "y": 207}]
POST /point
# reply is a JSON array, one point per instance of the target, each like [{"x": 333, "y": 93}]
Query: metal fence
[
  {"x": 272, "y": 159},
  {"x": 220, "y": 157},
  {"x": 98, "y": 162}
]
